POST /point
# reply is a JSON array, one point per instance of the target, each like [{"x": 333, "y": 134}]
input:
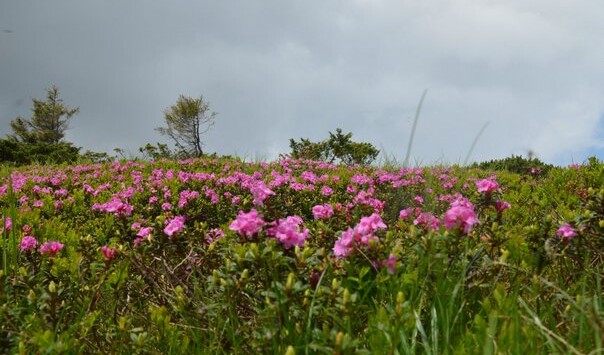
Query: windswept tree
[
  {"x": 48, "y": 123},
  {"x": 186, "y": 121}
]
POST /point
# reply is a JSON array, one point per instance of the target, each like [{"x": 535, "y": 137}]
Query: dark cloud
[{"x": 279, "y": 69}]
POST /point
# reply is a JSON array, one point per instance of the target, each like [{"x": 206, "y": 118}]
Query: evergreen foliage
[{"x": 49, "y": 121}]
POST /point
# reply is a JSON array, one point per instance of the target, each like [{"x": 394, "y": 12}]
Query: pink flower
[
  {"x": 51, "y": 248},
  {"x": 371, "y": 224},
  {"x": 575, "y": 166},
  {"x": 344, "y": 244},
  {"x": 289, "y": 232},
  {"x": 390, "y": 263},
  {"x": 427, "y": 220},
  {"x": 419, "y": 199},
  {"x": 460, "y": 217},
  {"x": 487, "y": 186},
  {"x": 362, "y": 234},
  {"x": 247, "y": 224},
  {"x": 326, "y": 191},
  {"x": 166, "y": 206},
  {"x": 144, "y": 232},
  {"x": 175, "y": 225},
  {"x": 26, "y": 229},
  {"x": 566, "y": 231},
  {"x": 405, "y": 213},
  {"x": 322, "y": 211},
  {"x": 116, "y": 206},
  {"x": 501, "y": 206},
  {"x": 260, "y": 192},
  {"x": 108, "y": 253},
  {"x": 214, "y": 235},
  {"x": 28, "y": 243},
  {"x": 8, "y": 225}
]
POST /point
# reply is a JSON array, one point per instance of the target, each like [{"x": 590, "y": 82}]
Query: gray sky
[{"x": 274, "y": 69}]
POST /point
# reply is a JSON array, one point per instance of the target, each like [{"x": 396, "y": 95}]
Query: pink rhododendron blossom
[
  {"x": 390, "y": 263},
  {"x": 108, "y": 253},
  {"x": 460, "y": 217},
  {"x": 326, "y": 191},
  {"x": 501, "y": 206},
  {"x": 214, "y": 235},
  {"x": 116, "y": 206},
  {"x": 26, "y": 229},
  {"x": 361, "y": 235},
  {"x": 260, "y": 192},
  {"x": 322, "y": 211},
  {"x": 566, "y": 232},
  {"x": 371, "y": 224},
  {"x": 174, "y": 225},
  {"x": 7, "y": 226},
  {"x": 309, "y": 176},
  {"x": 289, "y": 232},
  {"x": 144, "y": 232},
  {"x": 427, "y": 220},
  {"x": 166, "y": 206},
  {"x": 419, "y": 199},
  {"x": 487, "y": 186},
  {"x": 345, "y": 244},
  {"x": 461, "y": 201},
  {"x": 28, "y": 243},
  {"x": 405, "y": 213},
  {"x": 51, "y": 248},
  {"x": 247, "y": 224}
]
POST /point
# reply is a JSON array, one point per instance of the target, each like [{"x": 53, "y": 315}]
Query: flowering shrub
[{"x": 220, "y": 255}]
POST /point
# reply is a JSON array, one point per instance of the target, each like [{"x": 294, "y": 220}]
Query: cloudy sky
[{"x": 273, "y": 69}]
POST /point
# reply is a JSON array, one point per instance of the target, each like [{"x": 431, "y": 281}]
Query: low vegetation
[{"x": 300, "y": 256}]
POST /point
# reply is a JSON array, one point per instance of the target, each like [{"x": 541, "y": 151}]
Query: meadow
[{"x": 300, "y": 257}]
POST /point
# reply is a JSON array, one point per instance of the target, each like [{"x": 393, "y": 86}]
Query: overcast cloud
[{"x": 273, "y": 70}]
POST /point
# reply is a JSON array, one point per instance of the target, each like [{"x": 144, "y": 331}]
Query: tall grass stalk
[
  {"x": 417, "y": 112},
  {"x": 465, "y": 161}
]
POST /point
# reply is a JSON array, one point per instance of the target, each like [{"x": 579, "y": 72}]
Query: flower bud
[
  {"x": 290, "y": 282},
  {"x": 346, "y": 297},
  {"x": 52, "y": 288},
  {"x": 290, "y": 351},
  {"x": 339, "y": 341}
]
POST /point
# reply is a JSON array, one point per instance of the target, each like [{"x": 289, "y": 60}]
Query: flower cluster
[
  {"x": 247, "y": 224},
  {"x": 289, "y": 231},
  {"x": 460, "y": 216},
  {"x": 361, "y": 235},
  {"x": 174, "y": 226},
  {"x": 322, "y": 211}
]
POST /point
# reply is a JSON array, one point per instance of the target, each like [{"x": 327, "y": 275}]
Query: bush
[{"x": 516, "y": 164}]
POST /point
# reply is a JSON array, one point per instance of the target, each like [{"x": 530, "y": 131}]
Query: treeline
[{"x": 41, "y": 138}]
